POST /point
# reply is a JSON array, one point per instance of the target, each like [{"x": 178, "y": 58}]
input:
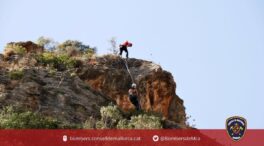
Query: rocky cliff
[
  {"x": 75, "y": 94},
  {"x": 156, "y": 87}
]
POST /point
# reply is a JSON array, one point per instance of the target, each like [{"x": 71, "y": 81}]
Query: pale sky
[{"x": 213, "y": 48}]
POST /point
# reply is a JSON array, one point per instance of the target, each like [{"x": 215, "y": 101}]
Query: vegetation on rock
[
  {"x": 16, "y": 74},
  {"x": 87, "y": 84},
  {"x": 16, "y": 49},
  {"x": 11, "y": 119},
  {"x": 60, "y": 62},
  {"x": 113, "y": 118}
]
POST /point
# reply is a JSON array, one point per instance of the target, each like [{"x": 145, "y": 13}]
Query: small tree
[
  {"x": 72, "y": 47},
  {"x": 47, "y": 43},
  {"x": 113, "y": 48}
]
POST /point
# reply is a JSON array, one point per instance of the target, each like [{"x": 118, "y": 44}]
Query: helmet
[{"x": 134, "y": 85}]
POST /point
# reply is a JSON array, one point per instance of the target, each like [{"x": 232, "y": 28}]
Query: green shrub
[
  {"x": 145, "y": 121},
  {"x": 67, "y": 125},
  {"x": 17, "y": 49},
  {"x": 89, "y": 53},
  {"x": 122, "y": 124},
  {"x": 110, "y": 111},
  {"x": 101, "y": 125},
  {"x": 16, "y": 74},
  {"x": 73, "y": 48},
  {"x": 11, "y": 119},
  {"x": 46, "y": 58},
  {"x": 64, "y": 62},
  {"x": 46, "y": 42},
  {"x": 60, "y": 62},
  {"x": 90, "y": 123},
  {"x": 110, "y": 115}
]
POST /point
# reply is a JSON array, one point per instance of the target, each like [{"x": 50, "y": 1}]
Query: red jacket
[{"x": 127, "y": 44}]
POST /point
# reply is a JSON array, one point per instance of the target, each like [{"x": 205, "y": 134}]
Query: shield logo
[{"x": 236, "y": 127}]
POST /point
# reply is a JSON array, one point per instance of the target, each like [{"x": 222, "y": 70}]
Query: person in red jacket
[{"x": 123, "y": 47}]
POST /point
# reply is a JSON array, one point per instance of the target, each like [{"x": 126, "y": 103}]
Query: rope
[
  {"x": 128, "y": 71},
  {"x": 126, "y": 64}
]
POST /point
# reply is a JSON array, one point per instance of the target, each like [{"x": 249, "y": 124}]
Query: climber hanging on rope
[
  {"x": 123, "y": 47},
  {"x": 133, "y": 96}
]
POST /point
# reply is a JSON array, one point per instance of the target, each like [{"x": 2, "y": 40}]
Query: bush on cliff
[
  {"x": 73, "y": 48},
  {"x": 11, "y": 119},
  {"x": 112, "y": 118},
  {"x": 17, "y": 49},
  {"x": 16, "y": 74},
  {"x": 60, "y": 62}
]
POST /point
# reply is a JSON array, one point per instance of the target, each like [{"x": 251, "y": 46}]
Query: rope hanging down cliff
[{"x": 126, "y": 64}]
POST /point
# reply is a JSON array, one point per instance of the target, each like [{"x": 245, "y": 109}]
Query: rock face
[
  {"x": 74, "y": 95},
  {"x": 156, "y": 87},
  {"x": 53, "y": 94}
]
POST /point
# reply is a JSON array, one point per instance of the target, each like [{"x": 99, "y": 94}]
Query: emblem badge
[{"x": 236, "y": 127}]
